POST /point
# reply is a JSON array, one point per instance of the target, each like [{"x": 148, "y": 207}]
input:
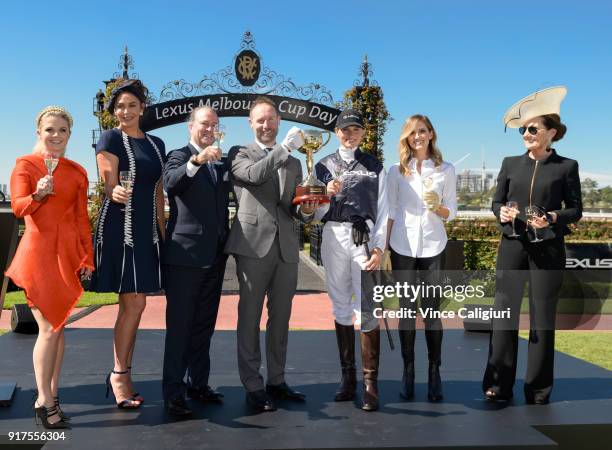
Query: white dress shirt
[{"x": 416, "y": 231}]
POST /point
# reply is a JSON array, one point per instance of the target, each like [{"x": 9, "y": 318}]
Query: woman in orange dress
[{"x": 55, "y": 251}]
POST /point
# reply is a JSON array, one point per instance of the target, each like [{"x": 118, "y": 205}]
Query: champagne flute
[
  {"x": 534, "y": 212},
  {"x": 338, "y": 180},
  {"x": 513, "y": 205},
  {"x": 126, "y": 178},
  {"x": 427, "y": 184},
  {"x": 51, "y": 163},
  {"x": 219, "y": 134}
]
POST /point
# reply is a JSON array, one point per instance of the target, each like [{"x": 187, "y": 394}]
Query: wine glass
[
  {"x": 513, "y": 205},
  {"x": 534, "y": 212},
  {"x": 51, "y": 162},
  {"x": 126, "y": 178},
  {"x": 219, "y": 134}
]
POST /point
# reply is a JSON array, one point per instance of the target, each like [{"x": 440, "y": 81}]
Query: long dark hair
[{"x": 134, "y": 87}]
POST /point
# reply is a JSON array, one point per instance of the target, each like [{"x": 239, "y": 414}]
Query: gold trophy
[{"x": 312, "y": 189}]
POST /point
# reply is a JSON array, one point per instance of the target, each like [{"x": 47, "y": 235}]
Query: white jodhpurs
[{"x": 343, "y": 262}]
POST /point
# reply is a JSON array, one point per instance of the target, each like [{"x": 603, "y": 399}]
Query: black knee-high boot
[
  {"x": 345, "y": 336},
  {"x": 434, "y": 349},
  {"x": 407, "y": 344}
]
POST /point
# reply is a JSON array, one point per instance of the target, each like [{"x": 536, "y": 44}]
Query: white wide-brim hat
[{"x": 540, "y": 103}]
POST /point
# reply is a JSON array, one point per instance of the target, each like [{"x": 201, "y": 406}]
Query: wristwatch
[{"x": 194, "y": 160}]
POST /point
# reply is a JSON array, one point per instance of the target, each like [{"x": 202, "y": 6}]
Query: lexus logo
[{"x": 588, "y": 263}]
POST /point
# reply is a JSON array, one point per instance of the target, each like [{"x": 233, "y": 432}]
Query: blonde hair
[
  {"x": 406, "y": 153},
  {"x": 57, "y": 111}
]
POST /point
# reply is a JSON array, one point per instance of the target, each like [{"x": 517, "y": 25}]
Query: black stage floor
[
  {"x": 580, "y": 415},
  {"x": 311, "y": 278}
]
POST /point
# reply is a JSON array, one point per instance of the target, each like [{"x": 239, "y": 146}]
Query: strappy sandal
[
  {"x": 124, "y": 404},
  {"x": 136, "y": 396},
  {"x": 61, "y": 413},
  {"x": 43, "y": 413}
]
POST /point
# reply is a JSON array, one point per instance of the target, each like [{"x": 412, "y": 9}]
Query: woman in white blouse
[{"x": 422, "y": 196}]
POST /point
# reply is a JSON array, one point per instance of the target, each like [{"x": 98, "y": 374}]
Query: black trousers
[
  {"x": 429, "y": 271},
  {"x": 541, "y": 264},
  {"x": 192, "y": 296}
]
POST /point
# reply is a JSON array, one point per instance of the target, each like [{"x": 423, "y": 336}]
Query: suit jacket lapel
[
  {"x": 193, "y": 150},
  {"x": 257, "y": 150},
  {"x": 276, "y": 175}
]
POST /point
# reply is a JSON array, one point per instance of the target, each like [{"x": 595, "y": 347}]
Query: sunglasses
[{"x": 532, "y": 130}]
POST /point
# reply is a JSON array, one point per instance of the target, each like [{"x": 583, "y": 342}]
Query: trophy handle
[{"x": 328, "y": 137}]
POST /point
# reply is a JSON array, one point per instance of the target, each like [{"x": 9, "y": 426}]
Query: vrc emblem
[{"x": 247, "y": 66}]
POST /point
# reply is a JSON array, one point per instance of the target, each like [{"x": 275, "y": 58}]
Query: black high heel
[
  {"x": 60, "y": 412},
  {"x": 136, "y": 396},
  {"x": 124, "y": 404},
  {"x": 43, "y": 413}
]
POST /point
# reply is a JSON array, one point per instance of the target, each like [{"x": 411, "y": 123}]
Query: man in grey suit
[{"x": 262, "y": 239}]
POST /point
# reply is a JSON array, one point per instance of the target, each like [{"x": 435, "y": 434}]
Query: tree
[
  {"x": 588, "y": 184},
  {"x": 368, "y": 100},
  {"x": 107, "y": 120}
]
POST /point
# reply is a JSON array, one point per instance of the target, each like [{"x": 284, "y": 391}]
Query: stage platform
[{"x": 579, "y": 416}]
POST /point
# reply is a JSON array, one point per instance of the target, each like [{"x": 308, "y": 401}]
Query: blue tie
[{"x": 213, "y": 174}]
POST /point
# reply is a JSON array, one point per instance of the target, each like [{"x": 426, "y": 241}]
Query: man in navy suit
[{"x": 193, "y": 261}]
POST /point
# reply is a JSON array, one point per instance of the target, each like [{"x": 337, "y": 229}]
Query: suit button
[{"x": 277, "y": 203}]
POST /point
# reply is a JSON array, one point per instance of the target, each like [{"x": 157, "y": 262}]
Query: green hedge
[
  {"x": 481, "y": 238},
  {"x": 483, "y": 229}
]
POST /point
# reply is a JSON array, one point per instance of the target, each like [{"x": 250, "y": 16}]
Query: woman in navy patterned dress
[{"x": 130, "y": 226}]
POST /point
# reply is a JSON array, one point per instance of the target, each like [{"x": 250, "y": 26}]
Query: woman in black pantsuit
[{"x": 539, "y": 177}]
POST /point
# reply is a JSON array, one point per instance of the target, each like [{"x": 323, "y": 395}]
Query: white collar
[
  {"x": 263, "y": 146},
  {"x": 347, "y": 154},
  {"x": 426, "y": 163},
  {"x": 196, "y": 146}
]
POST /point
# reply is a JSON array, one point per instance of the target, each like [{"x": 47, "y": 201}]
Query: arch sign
[
  {"x": 231, "y": 90},
  {"x": 238, "y": 105}
]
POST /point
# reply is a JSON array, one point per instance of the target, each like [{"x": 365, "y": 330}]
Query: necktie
[{"x": 213, "y": 173}]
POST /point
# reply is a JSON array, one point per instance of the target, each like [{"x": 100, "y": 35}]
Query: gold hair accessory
[{"x": 54, "y": 110}]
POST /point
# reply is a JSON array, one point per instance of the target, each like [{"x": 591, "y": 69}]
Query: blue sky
[{"x": 463, "y": 63}]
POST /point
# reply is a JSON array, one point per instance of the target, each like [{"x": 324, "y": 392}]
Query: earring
[{"x": 142, "y": 113}]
